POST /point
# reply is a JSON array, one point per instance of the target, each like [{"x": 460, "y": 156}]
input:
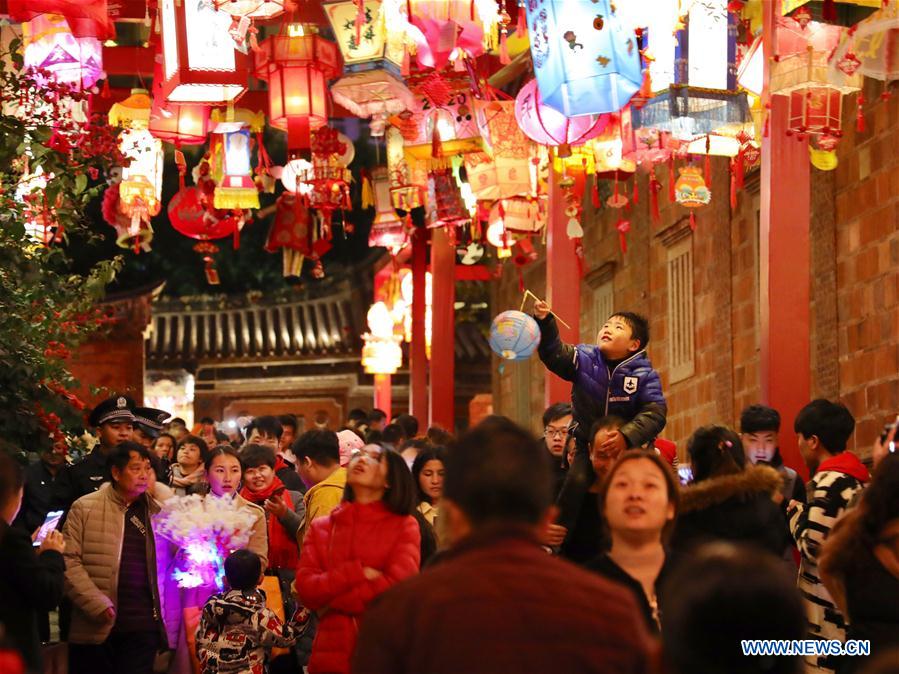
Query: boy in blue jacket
[{"x": 612, "y": 377}]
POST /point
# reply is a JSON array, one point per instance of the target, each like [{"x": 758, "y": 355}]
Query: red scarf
[{"x": 282, "y": 547}]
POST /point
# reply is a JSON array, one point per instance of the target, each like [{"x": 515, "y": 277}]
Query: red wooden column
[
  {"x": 443, "y": 332},
  {"x": 382, "y": 399},
  {"x": 418, "y": 356},
  {"x": 784, "y": 266},
  {"x": 563, "y": 281}
]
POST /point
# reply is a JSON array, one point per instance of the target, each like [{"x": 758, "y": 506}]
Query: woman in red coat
[{"x": 368, "y": 543}]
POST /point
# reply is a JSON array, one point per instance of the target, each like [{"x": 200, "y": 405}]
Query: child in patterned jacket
[{"x": 237, "y": 631}]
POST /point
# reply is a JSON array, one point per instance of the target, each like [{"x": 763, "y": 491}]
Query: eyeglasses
[
  {"x": 551, "y": 432},
  {"x": 369, "y": 453}
]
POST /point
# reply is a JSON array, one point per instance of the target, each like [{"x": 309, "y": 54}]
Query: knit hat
[{"x": 349, "y": 441}]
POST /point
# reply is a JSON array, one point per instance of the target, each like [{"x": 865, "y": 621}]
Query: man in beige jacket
[{"x": 117, "y": 573}]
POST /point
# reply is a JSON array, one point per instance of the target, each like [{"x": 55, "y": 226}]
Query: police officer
[
  {"x": 148, "y": 424},
  {"x": 113, "y": 420}
]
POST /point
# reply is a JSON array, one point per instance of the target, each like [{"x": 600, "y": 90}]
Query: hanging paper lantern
[
  {"x": 140, "y": 191},
  {"x": 297, "y": 67},
  {"x": 839, "y": 12},
  {"x": 176, "y": 123},
  {"x": 443, "y": 121},
  {"x": 290, "y": 233},
  {"x": 584, "y": 61},
  {"x": 199, "y": 61},
  {"x": 504, "y": 169},
  {"x": 704, "y": 97},
  {"x": 514, "y": 335},
  {"x": 133, "y": 112},
  {"x": 49, "y": 45},
  {"x": 381, "y": 353},
  {"x": 236, "y": 191},
  {"x": 443, "y": 30},
  {"x": 373, "y": 93},
  {"x": 408, "y": 184},
  {"x": 189, "y": 216},
  {"x": 691, "y": 191},
  {"x": 387, "y": 230},
  {"x": 547, "y": 126},
  {"x": 446, "y": 206},
  {"x": 519, "y": 215},
  {"x": 362, "y": 36},
  {"x": 251, "y": 9}
]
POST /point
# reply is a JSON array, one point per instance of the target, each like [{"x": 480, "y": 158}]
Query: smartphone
[
  {"x": 50, "y": 523},
  {"x": 685, "y": 474}
]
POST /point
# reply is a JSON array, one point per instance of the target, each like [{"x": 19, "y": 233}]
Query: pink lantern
[
  {"x": 547, "y": 126},
  {"x": 50, "y": 45}
]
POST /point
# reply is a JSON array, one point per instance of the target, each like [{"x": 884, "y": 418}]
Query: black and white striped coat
[{"x": 829, "y": 494}]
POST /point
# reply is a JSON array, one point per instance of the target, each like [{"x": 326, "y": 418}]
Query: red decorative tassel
[
  {"x": 654, "y": 187},
  {"x": 435, "y": 140},
  {"x": 740, "y": 170},
  {"x": 407, "y": 62},
  {"x": 707, "y": 170},
  {"x": 236, "y": 236},
  {"x": 671, "y": 196},
  {"x": 829, "y": 10},
  {"x": 594, "y": 194},
  {"x": 623, "y": 227},
  {"x": 522, "y": 27},
  {"x": 860, "y": 113},
  {"x": 105, "y": 92},
  {"x": 520, "y": 280},
  {"x": 733, "y": 185},
  {"x": 182, "y": 167},
  {"x": 693, "y": 220},
  {"x": 504, "y": 47}
]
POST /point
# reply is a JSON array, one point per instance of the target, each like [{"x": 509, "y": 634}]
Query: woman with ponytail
[{"x": 727, "y": 499}]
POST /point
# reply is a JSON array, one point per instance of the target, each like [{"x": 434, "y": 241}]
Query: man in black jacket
[
  {"x": 29, "y": 583},
  {"x": 113, "y": 418}
]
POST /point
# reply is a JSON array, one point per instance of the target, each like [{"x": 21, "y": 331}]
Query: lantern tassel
[
  {"x": 623, "y": 228},
  {"x": 236, "y": 239},
  {"x": 435, "y": 140},
  {"x": 105, "y": 92},
  {"x": 860, "y": 114},
  {"x": 368, "y": 194},
  {"x": 520, "y": 280},
  {"x": 182, "y": 167},
  {"x": 740, "y": 169},
  {"x": 407, "y": 62},
  {"x": 829, "y": 11},
  {"x": 707, "y": 170},
  {"x": 693, "y": 220},
  {"x": 522, "y": 27},
  {"x": 504, "y": 47},
  {"x": 671, "y": 196}
]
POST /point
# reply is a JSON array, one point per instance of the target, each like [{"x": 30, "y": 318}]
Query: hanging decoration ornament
[
  {"x": 546, "y": 126},
  {"x": 585, "y": 62},
  {"x": 297, "y": 65},
  {"x": 290, "y": 233},
  {"x": 387, "y": 229},
  {"x": 199, "y": 61},
  {"x": 504, "y": 169},
  {"x": 691, "y": 191},
  {"x": 49, "y": 45}
]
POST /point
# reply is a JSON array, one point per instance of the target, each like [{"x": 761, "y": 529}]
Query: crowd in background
[{"x": 386, "y": 547}]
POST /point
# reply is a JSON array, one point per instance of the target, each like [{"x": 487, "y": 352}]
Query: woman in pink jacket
[{"x": 368, "y": 543}]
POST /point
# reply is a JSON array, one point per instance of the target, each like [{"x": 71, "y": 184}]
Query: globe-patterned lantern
[{"x": 514, "y": 335}]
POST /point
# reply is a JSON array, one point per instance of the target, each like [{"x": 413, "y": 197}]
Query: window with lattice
[{"x": 680, "y": 310}]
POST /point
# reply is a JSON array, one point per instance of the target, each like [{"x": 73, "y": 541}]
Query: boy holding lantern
[{"x": 615, "y": 377}]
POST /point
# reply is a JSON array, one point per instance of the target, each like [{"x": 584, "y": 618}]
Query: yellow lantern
[{"x": 504, "y": 169}]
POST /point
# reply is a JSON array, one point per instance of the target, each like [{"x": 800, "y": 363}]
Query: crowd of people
[{"x": 387, "y": 547}]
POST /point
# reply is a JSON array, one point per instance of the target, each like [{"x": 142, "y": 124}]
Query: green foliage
[{"x": 47, "y": 165}]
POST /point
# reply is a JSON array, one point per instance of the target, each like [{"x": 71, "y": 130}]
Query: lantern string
[{"x": 528, "y": 293}]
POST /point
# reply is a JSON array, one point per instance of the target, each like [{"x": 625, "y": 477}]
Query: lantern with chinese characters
[
  {"x": 359, "y": 27},
  {"x": 519, "y": 215},
  {"x": 691, "y": 191},
  {"x": 407, "y": 183},
  {"x": 445, "y": 204},
  {"x": 703, "y": 97},
  {"x": 504, "y": 169},
  {"x": 442, "y": 122},
  {"x": 199, "y": 61},
  {"x": 547, "y": 126},
  {"x": 381, "y": 353},
  {"x": 585, "y": 62},
  {"x": 50, "y": 45},
  {"x": 297, "y": 66},
  {"x": 388, "y": 229},
  {"x": 443, "y": 30}
]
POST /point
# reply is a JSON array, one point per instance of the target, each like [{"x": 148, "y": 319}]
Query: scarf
[
  {"x": 282, "y": 547},
  {"x": 181, "y": 481}
]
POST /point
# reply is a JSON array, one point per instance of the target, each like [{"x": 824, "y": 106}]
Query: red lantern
[
  {"x": 297, "y": 67},
  {"x": 176, "y": 123},
  {"x": 199, "y": 61},
  {"x": 816, "y": 110}
]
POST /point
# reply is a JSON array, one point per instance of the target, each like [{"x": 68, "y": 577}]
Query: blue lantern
[
  {"x": 703, "y": 98},
  {"x": 514, "y": 335},
  {"x": 585, "y": 62}
]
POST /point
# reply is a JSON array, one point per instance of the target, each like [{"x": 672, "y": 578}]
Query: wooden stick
[{"x": 537, "y": 299}]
